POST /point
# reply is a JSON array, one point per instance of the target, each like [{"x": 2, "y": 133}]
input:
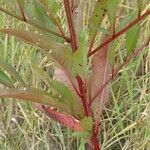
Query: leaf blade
[
  {"x": 5, "y": 80},
  {"x": 57, "y": 52},
  {"x": 6, "y": 66},
  {"x": 33, "y": 95},
  {"x": 62, "y": 118},
  {"x": 132, "y": 38},
  {"x": 97, "y": 17}
]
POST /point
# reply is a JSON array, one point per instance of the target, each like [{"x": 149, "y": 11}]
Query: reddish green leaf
[
  {"x": 66, "y": 95},
  {"x": 34, "y": 95},
  {"x": 62, "y": 118},
  {"x": 57, "y": 52},
  {"x": 61, "y": 76},
  {"x": 100, "y": 72}
]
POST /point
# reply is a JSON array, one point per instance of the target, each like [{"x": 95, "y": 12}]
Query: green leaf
[
  {"x": 112, "y": 6},
  {"x": 26, "y": 94},
  {"x": 66, "y": 95},
  {"x": 6, "y": 66},
  {"x": 86, "y": 123},
  {"x": 82, "y": 134},
  {"x": 5, "y": 80},
  {"x": 97, "y": 17},
  {"x": 132, "y": 38},
  {"x": 111, "y": 53},
  {"x": 33, "y": 95},
  {"x": 53, "y": 5},
  {"x": 58, "y": 53},
  {"x": 80, "y": 57},
  {"x": 126, "y": 20},
  {"x": 40, "y": 14}
]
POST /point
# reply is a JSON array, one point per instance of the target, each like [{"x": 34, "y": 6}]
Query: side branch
[
  {"x": 120, "y": 32},
  {"x": 53, "y": 19},
  {"x": 70, "y": 24},
  {"x": 135, "y": 53},
  {"x": 21, "y": 10},
  {"x": 34, "y": 24}
]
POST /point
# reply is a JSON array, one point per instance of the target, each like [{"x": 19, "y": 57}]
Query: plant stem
[
  {"x": 135, "y": 53},
  {"x": 74, "y": 48},
  {"x": 94, "y": 140},
  {"x": 83, "y": 95},
  {"x": 34, "y": 24},
  {"x": 120, "y": 32},
  {"x": 70, "y": 24}
]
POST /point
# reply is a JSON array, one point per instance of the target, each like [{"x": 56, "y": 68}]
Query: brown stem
[
  {"x": 34, "y": 24},
  {"x": 120, "y": 32},
  {"x": 70, "y": 24},
  {"x": 135, "y": 53}
]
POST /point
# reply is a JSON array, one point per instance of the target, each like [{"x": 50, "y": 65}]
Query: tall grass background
[{"x": 126, "y": 117}]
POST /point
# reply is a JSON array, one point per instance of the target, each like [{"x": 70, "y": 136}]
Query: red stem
[
  {"x": 70, "y": 24},
  {"x": 94, "y": 139},
  {"x": 74, "y": 48},
  {"x": 120, "y": 32},
  {"x": 135, "y": 53},
  {"x": 83, "y": 96}
]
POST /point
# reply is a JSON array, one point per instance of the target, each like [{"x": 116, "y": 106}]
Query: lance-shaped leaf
[
  {"x": 80, "y": 62},
  {"x": 132, "y": 38},
  {"x": 60, "y": 76},
  {"x": 57, "y": 52},
  {"x": 112, "y": 9},
  {"x": 34, "y": 95},
  {"x": 66, "y": 94},
  {"x": 100, "y": 72},
  {"x": 78, "y": 15},
  {"x": 123, "y": 22},
  {"x": 97, "y": 17},
  {"x": 41, "y": 15},
  {"x": 62, "y": 118},
  {"x": 6, "y": 66},
  {"x": 5, "y": 80}
]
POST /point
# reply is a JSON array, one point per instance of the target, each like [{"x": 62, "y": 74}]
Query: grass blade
[{"x": 6, "y": 66}]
